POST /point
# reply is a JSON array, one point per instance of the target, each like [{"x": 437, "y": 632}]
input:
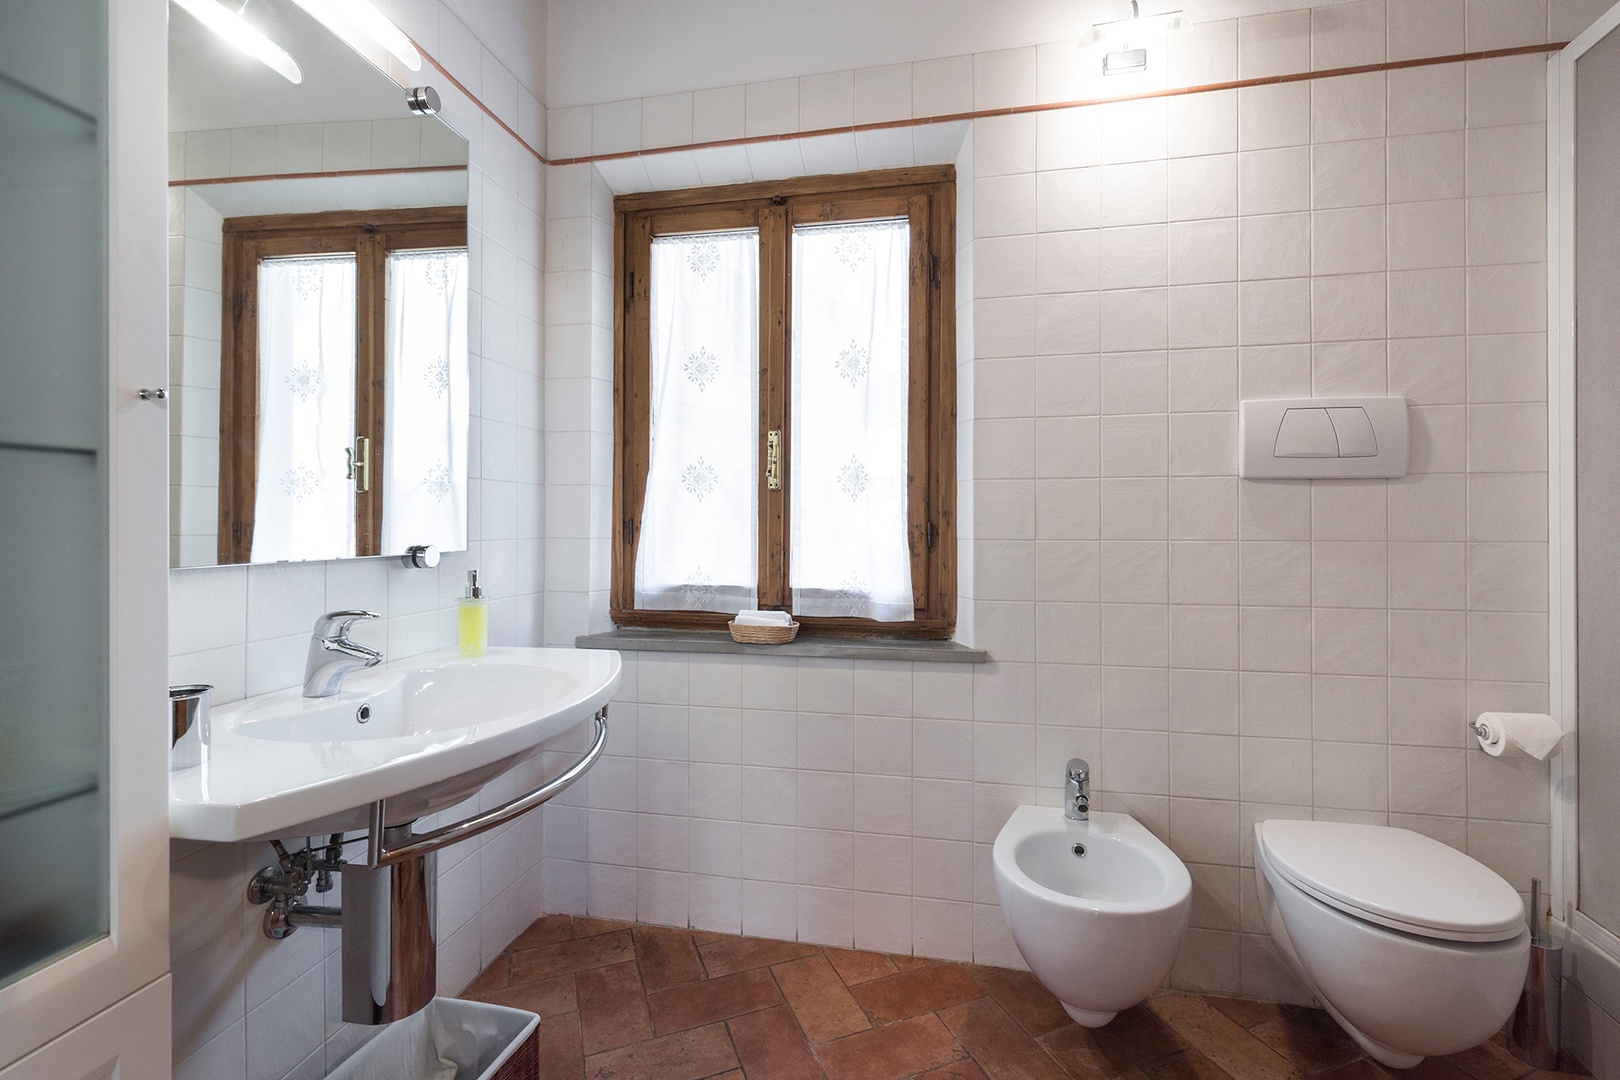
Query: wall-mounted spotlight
[{"x": 1121, "y": 32}]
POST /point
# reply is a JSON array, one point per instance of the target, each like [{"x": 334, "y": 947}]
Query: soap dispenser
[{"x": 474, "y": 618}]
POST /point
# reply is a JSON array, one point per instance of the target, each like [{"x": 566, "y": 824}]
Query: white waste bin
[{"x": 451, "y": 1040}]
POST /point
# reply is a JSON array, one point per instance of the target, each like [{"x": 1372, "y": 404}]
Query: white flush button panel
[{"x": 1322, "y": 438}]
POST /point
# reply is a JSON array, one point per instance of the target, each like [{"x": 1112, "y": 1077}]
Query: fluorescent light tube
[
  {"x": 359, "y": 25},
  {"x": 235, "y": 30}
]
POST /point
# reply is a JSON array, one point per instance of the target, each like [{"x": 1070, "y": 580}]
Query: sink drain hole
[
  {"x": 363, "y": 713},
  {"x": 1079, "y": 851}
]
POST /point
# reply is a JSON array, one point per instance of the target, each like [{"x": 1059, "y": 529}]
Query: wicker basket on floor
[
  {"x": 763, "y": 635},
  {"x": 524, "y": 1064}
]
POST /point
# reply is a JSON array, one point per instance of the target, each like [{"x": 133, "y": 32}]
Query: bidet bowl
[{"x": 1097, "y": 908}]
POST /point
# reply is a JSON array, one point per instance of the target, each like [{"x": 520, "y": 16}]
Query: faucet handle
[
  {"x": 337, "y": 623},
  {"x": 1077, "y": 770}
]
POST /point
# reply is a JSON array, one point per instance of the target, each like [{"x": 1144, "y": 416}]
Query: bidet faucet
[
  {"x": 332, "y": 654},
  {"x": 1077, "y": 790}
]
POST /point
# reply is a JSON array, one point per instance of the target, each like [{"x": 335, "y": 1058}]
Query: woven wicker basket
[
  {"x": 763, "y": 635},
  {"x": 524, "y": 1064}
]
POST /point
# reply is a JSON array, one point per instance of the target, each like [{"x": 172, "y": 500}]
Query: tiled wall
[
  {"x": 249, "y": 1008},
  {"x": 195, "y": 273},
  {"x": 1221, "y": 650}
]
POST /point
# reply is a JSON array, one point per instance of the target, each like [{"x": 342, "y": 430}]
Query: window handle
[
  {"x": 359, "y": 470},
  {"x": 773, "y": 460}
]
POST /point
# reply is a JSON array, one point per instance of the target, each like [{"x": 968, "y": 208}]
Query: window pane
[
  {"x": 851, "y": 339},
  {"x": 425, "y": 467},
  {"x": 699, "y": 523},
  {"x": 304, "y": 503}
]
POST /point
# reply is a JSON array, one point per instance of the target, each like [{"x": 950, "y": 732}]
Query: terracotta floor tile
[
  {"x": 731, "y": 955},
  {"x": 914, "y": 992},
  {"x": 715, "y": 999},
  {"x": 819, "y": 999},
  {"x": 687, "y": 1055},
  {"x": 771, "y": 1046},
  {"x": 1024, "y": 998},
  {"x": 1310, "y": 1038},
  {"x": 559, "y": 1048},
  {"x": 966, "y": 1069},
  {"x": 667, "y": 958},
  {"x": 612, "y": 1008},
  {"x": 906, "y": 963},
  {"x": 1187, "y": 1065},
  {"x": 854, "y": 966},
  {"x": 1489, "y": 1061},
  {"x": 1134, "y": 1038},
  {"x": 587, "y": 927},
  {"x": 543, "y": 931},
  {"x": 1568, "y": 1072},
  {"x": 1246, "y": 1013},
  {"x": 1219, "y": 1038},
  {"x": 491, "y": 979},
  {"x": 887, "y": 1053},
  {"x": 1360, "y": 1069},
  {"x": 703, "y": 937},
  {"x": 1428, "y": 1069},
  {"x": 577, "y": 954},
  {"x": 548, "y": 997},
  {"x": 1003, "y": 1050}
]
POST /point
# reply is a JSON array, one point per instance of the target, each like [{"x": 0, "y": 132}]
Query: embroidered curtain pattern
[
  {"x": 851, "y": 341},
  {"x": 426, "y": 404},
  {"x": 304, "y": 504},
  {"x": 698, "y": 547}
]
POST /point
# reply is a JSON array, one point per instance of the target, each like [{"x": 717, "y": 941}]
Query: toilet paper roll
[
  {"x": 1536, "y": 734},
  {"x": 764, "y": 618}
]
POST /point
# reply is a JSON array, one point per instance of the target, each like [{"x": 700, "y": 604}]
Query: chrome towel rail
[{"x": 379, "y": 853}]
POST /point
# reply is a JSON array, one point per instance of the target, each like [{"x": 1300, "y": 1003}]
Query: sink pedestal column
[{"x": 389, "y": 952}]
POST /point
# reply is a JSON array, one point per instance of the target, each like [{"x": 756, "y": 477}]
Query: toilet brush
[{"x": 1533, "y": 1031}]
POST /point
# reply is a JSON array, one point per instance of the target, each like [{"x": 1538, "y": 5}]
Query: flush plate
[{"x": 1323, "y": 438}]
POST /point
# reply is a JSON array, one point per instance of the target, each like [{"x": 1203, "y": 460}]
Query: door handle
[{"x": 359, "y": 464}]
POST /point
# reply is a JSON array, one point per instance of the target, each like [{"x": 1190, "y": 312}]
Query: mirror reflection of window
[
  {"x": 425, "y": 472},
  {"x": 304, "y": 501}
]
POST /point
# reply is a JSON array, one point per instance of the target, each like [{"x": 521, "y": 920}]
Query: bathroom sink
[{"x": 423, "y": 733}]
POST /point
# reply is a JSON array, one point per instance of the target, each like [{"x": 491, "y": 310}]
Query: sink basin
[{"x": 423, "y": 733}]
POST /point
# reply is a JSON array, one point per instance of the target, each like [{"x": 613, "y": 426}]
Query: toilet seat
[{"x": 1394, "y": 878}]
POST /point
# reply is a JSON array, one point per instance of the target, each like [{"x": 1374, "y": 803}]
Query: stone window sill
[{"x": 629, "y": 639}]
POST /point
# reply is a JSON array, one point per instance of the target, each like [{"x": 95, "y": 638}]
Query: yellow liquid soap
[{"x": 474, "y": 626}]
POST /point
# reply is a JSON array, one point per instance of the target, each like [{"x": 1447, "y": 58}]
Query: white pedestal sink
[{"x": 422, "y": 733}]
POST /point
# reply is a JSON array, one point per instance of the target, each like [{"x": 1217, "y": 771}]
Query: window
[
  {"x": 340, "y": 329},
  {"x": 785, "y": 404}
]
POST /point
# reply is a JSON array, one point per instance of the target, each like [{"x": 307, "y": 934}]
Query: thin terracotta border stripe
[
  {"x": 478, "y": 101},
  {"x": 315, "y": 175},
  {"x": 1052, "y": 106}
]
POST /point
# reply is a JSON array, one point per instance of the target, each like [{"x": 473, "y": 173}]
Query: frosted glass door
[
  {"x": 54, "y": 637},
  {"x": 1597, "y": 476}
]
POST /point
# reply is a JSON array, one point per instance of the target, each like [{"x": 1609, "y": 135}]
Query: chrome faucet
[
  {"x": 333, "y": 654},
  {"x": 1077, "y": 790}
]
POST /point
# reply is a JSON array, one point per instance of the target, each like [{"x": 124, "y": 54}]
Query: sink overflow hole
[
  {"x": 363, "y": 713},
  {"x": 1079, "y": 851}
]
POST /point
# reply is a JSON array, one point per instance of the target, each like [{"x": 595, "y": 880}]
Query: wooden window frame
[
  {"x": 367, "y": 234},
  {"x": 924, "y": 195}
]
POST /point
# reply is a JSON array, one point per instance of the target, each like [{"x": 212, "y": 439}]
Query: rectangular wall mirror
[{"x": 318, "y": 378}]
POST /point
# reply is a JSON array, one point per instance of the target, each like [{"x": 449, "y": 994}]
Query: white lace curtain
[
  {"x": 425, "y": 467},
  {"x": 699, "y": 523},
  {"x": 851, "y": 343},
  {"x": 304, "y": 504}
]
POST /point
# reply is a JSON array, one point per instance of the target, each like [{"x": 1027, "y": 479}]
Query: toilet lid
[{"x": 1396, "y": 878}]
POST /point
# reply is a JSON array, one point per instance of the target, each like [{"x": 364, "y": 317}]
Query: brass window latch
[
  {"x": 359, "y": 468},
  {"x": 773, "y": 460}
]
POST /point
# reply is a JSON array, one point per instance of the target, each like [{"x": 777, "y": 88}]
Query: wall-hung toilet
[{"x": 1412, "y": 946}]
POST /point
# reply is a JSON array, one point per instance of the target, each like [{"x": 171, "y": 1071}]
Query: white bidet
[{"x": 1097, "y": 907}]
